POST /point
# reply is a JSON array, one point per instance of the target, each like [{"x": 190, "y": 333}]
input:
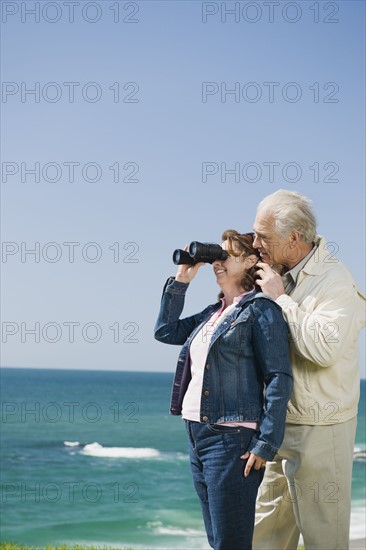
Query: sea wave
[
  {"x": 95, "y": 449},
  {"x": 358, "y": 528},
  {"x": 359, "y": 454},
  {"x": 99, "y": 451},
  {"x": 175, "y": 531},
  {"x": 159, "y": 528}
]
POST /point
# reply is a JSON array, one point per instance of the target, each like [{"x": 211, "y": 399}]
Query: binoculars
[{"x": 199, "y": 252}]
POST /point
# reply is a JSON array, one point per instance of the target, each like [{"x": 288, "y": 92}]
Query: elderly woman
[{"x": 231, "y": 386}]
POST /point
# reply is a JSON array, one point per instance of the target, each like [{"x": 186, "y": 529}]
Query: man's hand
[
  {"x": 257, "y": 461},
  {"x": 270, "y": 281}
]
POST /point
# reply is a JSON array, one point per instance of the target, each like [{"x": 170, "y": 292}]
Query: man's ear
[{"x": 295, "y": 237}]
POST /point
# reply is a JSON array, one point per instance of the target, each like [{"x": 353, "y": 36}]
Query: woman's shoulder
[
  {"x": 260, "y": 301},
  {"x": 257, "y": 296}
]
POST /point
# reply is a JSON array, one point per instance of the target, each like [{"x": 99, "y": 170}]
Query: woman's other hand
[
  {"x": 187, "y": 272},
  {"x": 253, "y": 460}
]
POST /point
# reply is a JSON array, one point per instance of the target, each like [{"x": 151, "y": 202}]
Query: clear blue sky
[{"x": 145, "y": 87}]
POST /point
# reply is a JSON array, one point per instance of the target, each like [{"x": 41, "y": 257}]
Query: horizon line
[{"x": 99, "y": 370}]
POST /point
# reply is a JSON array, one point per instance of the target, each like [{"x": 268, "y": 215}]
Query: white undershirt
[{"x": 198, "y": 353}]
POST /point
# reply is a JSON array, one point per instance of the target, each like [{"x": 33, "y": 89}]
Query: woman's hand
[
  {"x": 253, "y": 460},
  {"x": 187, "y": 272}
]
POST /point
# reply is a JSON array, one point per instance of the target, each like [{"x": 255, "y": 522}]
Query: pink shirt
[{"x": 198, "y": 354}]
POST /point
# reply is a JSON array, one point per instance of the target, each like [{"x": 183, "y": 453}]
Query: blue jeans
[{"x": 227, "y": 498}]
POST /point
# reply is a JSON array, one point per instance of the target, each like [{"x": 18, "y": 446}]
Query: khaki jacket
[{"x": 325, "y": 314}]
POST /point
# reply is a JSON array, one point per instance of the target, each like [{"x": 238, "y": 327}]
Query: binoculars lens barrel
[
  {"x": 200, "y": 252},
  {"x": 182, "y": 257}
]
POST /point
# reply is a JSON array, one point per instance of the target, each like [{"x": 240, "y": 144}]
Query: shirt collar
[
  {"x": 294, "y": 272},
  {"x": 236, "y": 299}
]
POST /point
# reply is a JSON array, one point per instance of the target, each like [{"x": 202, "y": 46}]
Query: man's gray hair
[{"x": 291, "y": 212}]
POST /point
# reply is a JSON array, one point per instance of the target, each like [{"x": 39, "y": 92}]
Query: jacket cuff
[
  {"x": 175, "y": 287},
  {"x": 262, "y": 449}
]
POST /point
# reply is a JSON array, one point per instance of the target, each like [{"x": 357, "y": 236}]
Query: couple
[{"x": 237, "y": 377}]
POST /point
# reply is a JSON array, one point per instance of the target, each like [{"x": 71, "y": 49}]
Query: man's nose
[{"x": 256, "y": 242}]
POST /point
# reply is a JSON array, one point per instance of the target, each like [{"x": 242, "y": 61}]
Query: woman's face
[{"x": 229, "y": 272}]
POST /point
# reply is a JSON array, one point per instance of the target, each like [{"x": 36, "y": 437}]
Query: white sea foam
[
  {"x": 71, "y": 443},
  {"x": 160, "y": 529},
  {"x": 170, "y": 530},
  {"x": 95, "y": 449},
  {"x": 173, "y": 456},
  {"x": 358, "y": 528},
  {"x": 359, "y": 454}
]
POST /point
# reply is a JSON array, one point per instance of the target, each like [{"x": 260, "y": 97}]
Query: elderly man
[{"x": 307, "y": 488}]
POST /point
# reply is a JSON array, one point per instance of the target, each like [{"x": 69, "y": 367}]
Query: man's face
[{"x": 272, "y": 248}]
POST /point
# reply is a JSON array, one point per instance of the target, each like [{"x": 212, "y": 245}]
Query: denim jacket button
[
  {"x": 206, "y": 393},
  {"x": 205, "y": 418},
  {"x": 208, "y": 366}
]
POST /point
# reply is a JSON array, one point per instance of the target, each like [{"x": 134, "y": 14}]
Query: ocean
[{"x": 93, "y": 457}]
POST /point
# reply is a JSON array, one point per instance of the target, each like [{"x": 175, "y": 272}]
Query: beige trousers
[{"x": 307, "y": 490}]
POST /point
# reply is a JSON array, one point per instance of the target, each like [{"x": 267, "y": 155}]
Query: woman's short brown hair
[{"x": 241, "y": 244}]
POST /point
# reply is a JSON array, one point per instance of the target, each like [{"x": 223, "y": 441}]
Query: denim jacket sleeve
[
  {"x": 270, "y": 341},
  {"x": 169, "y": 329}
]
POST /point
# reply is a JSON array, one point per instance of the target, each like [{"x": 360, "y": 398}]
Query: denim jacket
[{"x": 248, "y": 353}]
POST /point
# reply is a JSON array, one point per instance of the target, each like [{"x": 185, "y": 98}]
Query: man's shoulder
[
  {"x": 325, "y": 260},
  {"x": 327, "y": 273}
]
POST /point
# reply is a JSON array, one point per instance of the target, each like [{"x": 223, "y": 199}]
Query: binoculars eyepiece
[{"x": 199, "y": 252}]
